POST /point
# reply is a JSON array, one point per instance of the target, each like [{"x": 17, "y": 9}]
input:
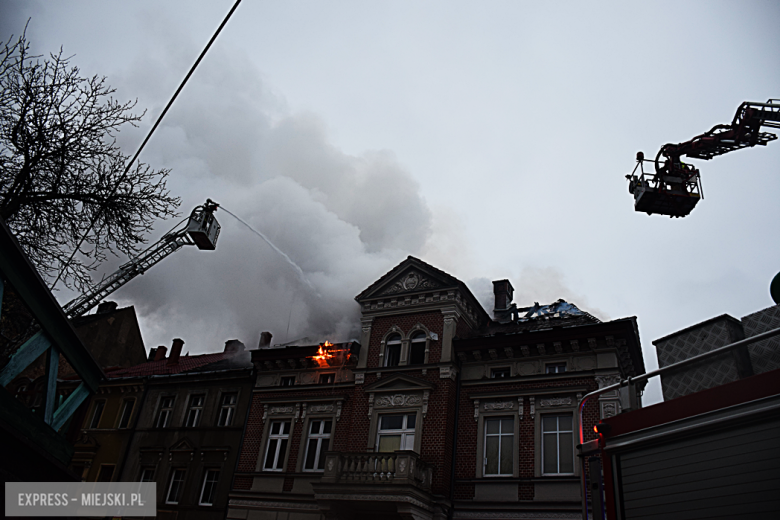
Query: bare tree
[{"x": 61, "y": 168}]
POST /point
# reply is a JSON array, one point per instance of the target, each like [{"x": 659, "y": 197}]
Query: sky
[{"x": 490, "y": 139}]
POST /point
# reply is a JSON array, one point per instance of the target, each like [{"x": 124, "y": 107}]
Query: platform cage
[
  {"x": 203, "y": 227},
  {"x": 674, "y": 190}
]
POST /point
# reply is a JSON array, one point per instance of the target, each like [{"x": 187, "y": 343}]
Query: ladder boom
[{"x": 201, "y": 229}]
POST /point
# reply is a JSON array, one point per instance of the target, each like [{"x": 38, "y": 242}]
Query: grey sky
[{"x": 488, "y": 138}]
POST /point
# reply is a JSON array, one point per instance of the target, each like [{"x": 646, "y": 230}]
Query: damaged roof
[{"x": 537, "y": 317}]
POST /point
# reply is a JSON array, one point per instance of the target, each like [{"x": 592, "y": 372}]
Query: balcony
[{"x": 383, "y": 485}]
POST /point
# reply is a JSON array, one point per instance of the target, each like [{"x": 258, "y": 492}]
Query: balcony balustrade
[{"x": 399, "y": 467}]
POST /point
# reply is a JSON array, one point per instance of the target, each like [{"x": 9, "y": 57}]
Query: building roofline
[{"x": 727, "y": 317}]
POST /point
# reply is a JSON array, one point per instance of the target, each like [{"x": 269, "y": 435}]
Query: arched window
[
  {"x": 393, "y": 350},
  {"x": 417, "y": 349}
]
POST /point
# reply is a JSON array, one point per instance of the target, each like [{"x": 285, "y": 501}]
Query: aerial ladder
[
  {"x": 675, "y": 188},
  {"x": 201, "y": 229}
]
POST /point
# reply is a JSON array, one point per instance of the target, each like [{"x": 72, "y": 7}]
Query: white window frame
[
  {"x": 125, "y": 404},
  {"x": 555, "y": 366},
  {"x": 144, "y": 472},
  {"x": 495, "y": 370},
  {"x": 327, "y": 375},
  {"x": 227, "y": 409},
  {"x": 500, "y": 434},
  {"x": 97, "y": 414},
  {"x": 195, "y": 410},
  {"x": 418, "y": 338},
  {"x": 183, "y": 474},
  {"x": 165, "y": 412},
  {"x": 319, "y": 437},
  {"x": 213, "y": 483},
  {"x": 283, "y": 379},
  {"x": 405, "y": 432},
  {"x": 394, "y": 340},
  {"x": 280, "y": 453},
  {"x": 557, "y": 432}
]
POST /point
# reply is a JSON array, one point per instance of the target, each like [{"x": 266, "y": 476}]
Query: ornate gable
[{"x": 409, "y": 277}]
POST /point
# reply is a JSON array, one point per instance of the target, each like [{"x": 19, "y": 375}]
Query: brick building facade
[{"x": 439, "y": 412}]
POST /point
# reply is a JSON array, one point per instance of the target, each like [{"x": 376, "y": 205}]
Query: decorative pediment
[
  {"x": 413, "y": 280},
  {"x": 183, "y": 445},
  {"x": 399, "y": 391},
  {"x": 410, "y": 276},
  {"x": 398, "y": 383},
  {"x": 86, "y": 442}
]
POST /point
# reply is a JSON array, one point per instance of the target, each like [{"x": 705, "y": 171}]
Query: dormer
[{"x": 412, "y": 313}]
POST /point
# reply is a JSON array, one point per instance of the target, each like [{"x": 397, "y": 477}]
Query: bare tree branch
[{"x": 60, "y": 165}]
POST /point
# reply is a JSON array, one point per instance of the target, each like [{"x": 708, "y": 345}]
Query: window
[
  {"x": 555, "y": 368},
  {"x": 393, "y": 351},
  {"x": 396, "y": 432},
  {"x": 166, "y": 410},
  {"x": 497, "y": 373},
  {"x": 318, "y": 444},
  {"x": 147, "y": 475},
  {"x": 209, "y": 486},
  {"x": 127, "y": 412},
  {"x": 287, "y": 381},
  {"x": 499, "y": 442},
  {"x": 327, "y": 378},
  {"x": 557, "y": 445},
  {"x": 227, "y": 410},
  {"x": 417, "y": 349},
  {"x": 174, "y": 488},
  {"x": 97, "y": 412},
  {"x": 277, "y": 446},
  {"x": 106, "y": 472},
  {"x": 193, "y": 414}
]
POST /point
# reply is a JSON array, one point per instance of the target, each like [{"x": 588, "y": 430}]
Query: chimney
[
  {"x": 160, "y": 355},
  {"x": 152, "y": 354},
  {"x": 106, "y": 307},
  {"x": 234, "y": 345},
  {"x": 265, "y": 339},
  {"x": 503, "y": 291},
  {"x": 503, "y": 306},
  {"x": 173, "y": 359}
]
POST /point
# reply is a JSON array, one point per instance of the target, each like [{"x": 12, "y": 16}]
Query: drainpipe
[
  {"x": 252, "y": 376},
  {"x": 141, "y": 403},
  {"x": 454, "y": 447}
]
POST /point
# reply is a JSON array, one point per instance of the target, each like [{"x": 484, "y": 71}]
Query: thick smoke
[{"x": 344, "y": 219}]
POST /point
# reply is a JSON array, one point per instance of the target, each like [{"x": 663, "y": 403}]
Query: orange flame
[{"x": 325, "y": 353}]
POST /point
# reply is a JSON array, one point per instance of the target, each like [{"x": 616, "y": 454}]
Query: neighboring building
[
  {"x": 112, "y": 335},
  {"x": 708, "y": 335},
  {"x": 189, "y": 429},
  {"x": 177, "y": 421},
  {"x": 439, "y": 411}
]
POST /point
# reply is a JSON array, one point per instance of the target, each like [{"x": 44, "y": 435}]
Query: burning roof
[{"x": 323, "y": 355}]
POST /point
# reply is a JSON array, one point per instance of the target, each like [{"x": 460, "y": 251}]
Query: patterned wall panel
[
  {"x": 696, "y": 340},
  {"x": 764, "y": 355}
]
